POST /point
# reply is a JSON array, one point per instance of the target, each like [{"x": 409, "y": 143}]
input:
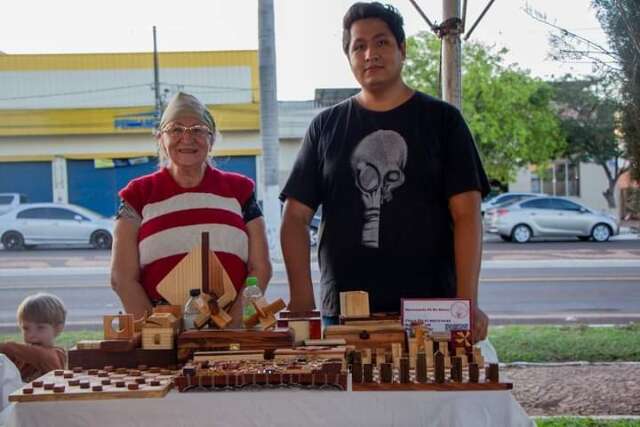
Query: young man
[
  {"x": 41, "y": 318},
  {"x": 400, "y": 182}
]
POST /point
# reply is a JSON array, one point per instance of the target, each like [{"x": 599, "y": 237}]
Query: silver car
[
  {"x": 504, "y": 198},
  {"x": 54, "y": 223},
  {"x": 549, "y": 217}
]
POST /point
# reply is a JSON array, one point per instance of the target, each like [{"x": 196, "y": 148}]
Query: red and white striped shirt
[{"x": 173, "y": 219}]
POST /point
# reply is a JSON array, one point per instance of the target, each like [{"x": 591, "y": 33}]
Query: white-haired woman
[{"x": 163, "y": 214}]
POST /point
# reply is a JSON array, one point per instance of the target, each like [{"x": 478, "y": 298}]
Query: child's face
[{"x": 39, "y": 333}]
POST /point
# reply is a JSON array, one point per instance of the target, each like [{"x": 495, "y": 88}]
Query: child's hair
[{"x": 42, "y": 308}]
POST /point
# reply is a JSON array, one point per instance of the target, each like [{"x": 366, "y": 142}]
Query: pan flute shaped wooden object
[{"x": 199, "y": 269}]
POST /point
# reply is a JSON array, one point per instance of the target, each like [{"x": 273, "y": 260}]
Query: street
[{"x": 543, "y": 282}]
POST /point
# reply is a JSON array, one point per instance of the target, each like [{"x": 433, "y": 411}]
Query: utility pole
[
  {"x": 156, "y": 78},
  {"x": 269, "y": 123},
  {"x": 453, "y": 25},
  {"x": 451, "y": 66}
]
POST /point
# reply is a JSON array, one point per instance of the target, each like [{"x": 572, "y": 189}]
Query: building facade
[{"x": 77, "y": 127}]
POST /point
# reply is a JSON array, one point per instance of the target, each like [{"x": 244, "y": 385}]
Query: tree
[
  {"x": 620, "y": 19},
  {"x": 509, "y": 112},
  {"x": 589, "y": 116}
]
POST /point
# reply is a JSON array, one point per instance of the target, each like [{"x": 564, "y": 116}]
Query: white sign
[{"x": 440, "y": 315}]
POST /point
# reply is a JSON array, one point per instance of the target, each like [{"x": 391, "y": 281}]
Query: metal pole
[
  {"x": 269, "y": 123},
  {"x": 451, "y": 54},
  {"x": 156, "y": 76}
]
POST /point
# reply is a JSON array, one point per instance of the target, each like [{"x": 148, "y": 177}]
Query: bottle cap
[
  {"x": 194, "y": 292},
  {"x": 251, "y": 281}
]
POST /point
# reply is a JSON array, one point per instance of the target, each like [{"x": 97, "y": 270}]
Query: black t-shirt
[{"x": 384, "y": 180}]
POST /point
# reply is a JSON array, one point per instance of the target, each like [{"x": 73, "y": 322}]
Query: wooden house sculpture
[{"x": 201, "y": 269}]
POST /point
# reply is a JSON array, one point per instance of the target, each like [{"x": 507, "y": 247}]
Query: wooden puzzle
[
  {"x": 96, "y": 384},
  {"x": 385, "y": 376},
  {"x": 250, "y": 374}
]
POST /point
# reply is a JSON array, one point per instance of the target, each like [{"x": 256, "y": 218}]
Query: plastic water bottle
[
  {"x": 191, "y": 311},
  {"x": 250, "y": 293}
]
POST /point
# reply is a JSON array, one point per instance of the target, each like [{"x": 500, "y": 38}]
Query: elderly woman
[{"x": 163, "y": 214}]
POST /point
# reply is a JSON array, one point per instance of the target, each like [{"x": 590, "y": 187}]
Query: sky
[{"x": 308, "y": 32}]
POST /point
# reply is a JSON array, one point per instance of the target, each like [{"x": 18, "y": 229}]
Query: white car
[
  {"x": 504, "y": 198},
  {"x": 10, "y": 201},
  {"x": 549, "y": 217},
  {"x": 54, "y": 223}
]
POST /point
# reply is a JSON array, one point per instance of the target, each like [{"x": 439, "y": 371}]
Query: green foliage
[
  {"x": 620, "y": 19},
  {"x": 566, "y": 344},
  {"x": 66, "y": 339},
  {"x": 585, "y": 422},
  {"x": 509, "y": 112}
]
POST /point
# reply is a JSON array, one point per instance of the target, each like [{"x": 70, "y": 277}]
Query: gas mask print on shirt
[{"x": 378, "y": 167}]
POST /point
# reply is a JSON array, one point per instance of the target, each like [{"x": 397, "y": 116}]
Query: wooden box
[
  {"x": 354, "y": 304},
  {"x": 368, "y": 336},
  {"x": 158, "y": 338},
  {"x": 98, "y": 359},
  {"x": 237, "y": 339}
]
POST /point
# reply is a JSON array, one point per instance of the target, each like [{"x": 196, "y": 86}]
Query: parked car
[
  {"x": 10, "y": 201},
  {"x": 314, "y": 227},
  {"x": 504, "y": 198},
  {"x": 521, "y": 221},
  {"x": 54, "y": 223}
]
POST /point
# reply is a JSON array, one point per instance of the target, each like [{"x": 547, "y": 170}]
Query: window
[
  {"x": 561, "y": 179},
  {"x": 65, "y": 214},
  {"x": 5, "y": 200},
  {"x": 35, "y": 213},
  {"x": 564, "y": 205},
  {"x": 536, "y": 204}
]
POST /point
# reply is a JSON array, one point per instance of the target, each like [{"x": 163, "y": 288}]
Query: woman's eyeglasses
[{"x": 176, "y": 132}]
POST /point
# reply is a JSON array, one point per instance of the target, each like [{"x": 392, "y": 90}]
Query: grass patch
[
  {"x": 566, "y": 343},
  {"x": 65, "y": 340},
  {"x": 585, "y": 422}
]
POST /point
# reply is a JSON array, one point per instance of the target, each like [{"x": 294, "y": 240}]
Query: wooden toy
[
  {"x": 85, "y": 386},
  {"x": 159, "y": 331},
  {"x": 264, "y": 318},
  {"x": 305, "y": 325},
  {"x": 199, "y": 269},
  {"x": 125, "y": 329},
  {"x": 354, "y": 304},
  {"x": 321, "y": 373}
]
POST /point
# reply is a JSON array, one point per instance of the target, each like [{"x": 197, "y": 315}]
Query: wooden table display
[
  {"x": 386, "y": 377},
  {"x": 239, "y": 374},
  {"x": 94, "y": 384}
]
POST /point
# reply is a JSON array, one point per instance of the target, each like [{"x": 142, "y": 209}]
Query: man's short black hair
[{"x": 361, "y": 10}]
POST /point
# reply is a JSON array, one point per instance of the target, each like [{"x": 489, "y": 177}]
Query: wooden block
[
  {"x": 492, "y": 374},
  {"x": 456, "y": 369},
  {"x": 158, "y": 338},
  {"x": 300, "y": 329},
  {"x": 366, "y": 355},
  {"x": 161, "y": 320},
  {"x": 222, "y": 319},
  {"x": 380, "y": 356},
  {"x": 439, "y": 367},
  {"x": 367, "y": 373},
  {"x": 121, "y": 345},
  {"x": 88, "y": 344},
  {"x": 220, "y": 339},
  {"x": 474, "y": 373},
  {"x": 354, "y": 304},
  {"x": 386, "y": 373},
  {"x": 356, "y": 372},
  {"x": 125, "y": 327},
  {"x": 421, "y": 367},
  {"x": 396, "y": 354},
  {"x": 176, "y": 310},
  {"x": 369, "y": 336},
  {"x": 404, "y": 370}
]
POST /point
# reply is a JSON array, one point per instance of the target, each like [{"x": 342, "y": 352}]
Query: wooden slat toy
[{"x": 94, "y": 384}]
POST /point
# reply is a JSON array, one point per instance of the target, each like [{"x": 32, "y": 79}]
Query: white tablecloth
[{"x": 297, "y": 408}]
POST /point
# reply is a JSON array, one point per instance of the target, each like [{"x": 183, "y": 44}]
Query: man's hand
[{"x": 480, "y": 325}]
